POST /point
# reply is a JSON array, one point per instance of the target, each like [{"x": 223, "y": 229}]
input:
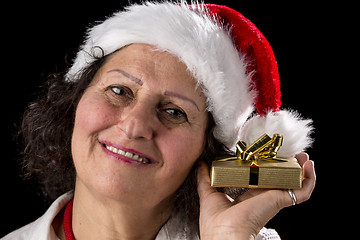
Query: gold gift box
[
  {"x": 258, "y": 169},
  {"x": 236, "y": 173}
]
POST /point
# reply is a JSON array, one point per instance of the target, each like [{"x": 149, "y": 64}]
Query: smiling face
[{"x": 139, "y": 127}]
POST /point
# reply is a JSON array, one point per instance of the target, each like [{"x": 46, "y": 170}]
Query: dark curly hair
[
  {"x": 46, "y": 130},
  {"x": 47, "y": 127}
]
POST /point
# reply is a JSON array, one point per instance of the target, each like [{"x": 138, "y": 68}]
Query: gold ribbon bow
[{"x": 264, "y": 148}]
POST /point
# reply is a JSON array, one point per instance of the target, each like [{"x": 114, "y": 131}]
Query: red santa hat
[{"x": 230, "y": 58}]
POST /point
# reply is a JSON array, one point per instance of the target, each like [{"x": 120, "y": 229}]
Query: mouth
[{"x": 127, "y": 153}]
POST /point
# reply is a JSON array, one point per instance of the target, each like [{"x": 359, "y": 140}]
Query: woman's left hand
[{"x": 243, "y": 218}]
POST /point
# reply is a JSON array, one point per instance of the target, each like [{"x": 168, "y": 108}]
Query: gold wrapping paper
[{"x": 257, "y": 166}]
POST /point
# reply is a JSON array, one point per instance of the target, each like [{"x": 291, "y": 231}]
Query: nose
[{"x": 138, "y": 122}]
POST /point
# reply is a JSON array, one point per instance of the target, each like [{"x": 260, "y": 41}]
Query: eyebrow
[
  {"x": 167, "y": 93},
  {"x": 127, "y": 75},
  {"x": 172, "y": 94}
]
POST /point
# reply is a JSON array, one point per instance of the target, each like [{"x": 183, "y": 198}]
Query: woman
[{"x": 125, "y": 138}]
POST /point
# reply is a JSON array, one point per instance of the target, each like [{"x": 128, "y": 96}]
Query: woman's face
[{"x": 139, "y": 127}]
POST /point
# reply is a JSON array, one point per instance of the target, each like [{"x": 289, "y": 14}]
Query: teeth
[{"x": 127, "y": 154}]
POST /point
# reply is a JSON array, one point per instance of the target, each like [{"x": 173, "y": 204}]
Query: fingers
[
  {"x": 302, "y": 158},
  {"x": 305, "y": 192},
  {"x": 309, "y": 170},
  {"x": 309, "y": 178},
  {"x": 249, "y": 194}
]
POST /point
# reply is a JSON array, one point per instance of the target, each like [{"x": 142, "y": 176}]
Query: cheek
[
  {"x": 91, "y": 117},
  {"x": 181, "y": 151}
]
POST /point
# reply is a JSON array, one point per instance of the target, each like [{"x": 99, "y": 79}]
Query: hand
[{"x": 221, "y": 218}]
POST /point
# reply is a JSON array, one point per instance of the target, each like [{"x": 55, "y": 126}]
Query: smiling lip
[{"x": 126, "y": 154}]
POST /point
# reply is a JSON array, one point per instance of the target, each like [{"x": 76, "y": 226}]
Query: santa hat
[{"x": 226, "y": 53}]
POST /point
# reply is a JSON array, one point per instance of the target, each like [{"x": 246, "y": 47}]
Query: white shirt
[{"x": 42, "y": 229}]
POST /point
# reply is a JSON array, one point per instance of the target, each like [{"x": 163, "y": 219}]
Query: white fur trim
[
  {"x": 197, "y": 40},
  {"x": 295, "y": 130}
]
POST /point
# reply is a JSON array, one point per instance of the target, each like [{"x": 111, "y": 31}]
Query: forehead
[{"x": 146, "y": 58}]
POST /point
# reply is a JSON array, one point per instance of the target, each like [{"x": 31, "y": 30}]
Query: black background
[{"x": 305, "y": 38}]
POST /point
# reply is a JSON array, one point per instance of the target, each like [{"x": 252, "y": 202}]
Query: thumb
[{"x": 203, "y": 181}]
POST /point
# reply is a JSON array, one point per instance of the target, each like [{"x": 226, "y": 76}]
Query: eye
[
  {"x": 119, "y": 94},
  {"x": 119, "y": 90},
  {"x": 176, "y": 113},
  {"x": 173, "y": 115}
]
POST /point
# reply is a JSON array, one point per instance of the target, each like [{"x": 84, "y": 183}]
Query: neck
[{"x": 96, "y": 217}]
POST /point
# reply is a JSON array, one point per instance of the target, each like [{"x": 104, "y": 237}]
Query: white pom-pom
[{"x": 295, "y": 130}]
